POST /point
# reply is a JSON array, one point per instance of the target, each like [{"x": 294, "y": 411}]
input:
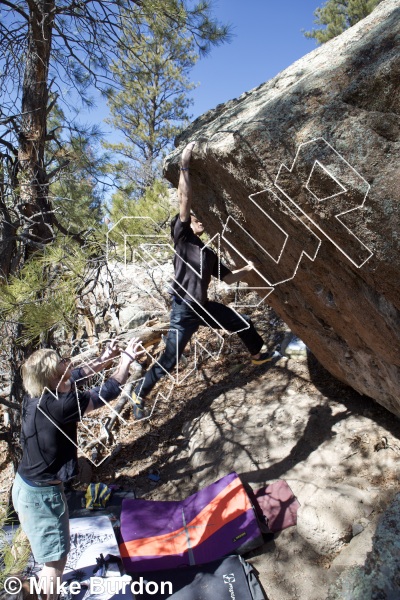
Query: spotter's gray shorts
[{"x": 43, "y": 514}]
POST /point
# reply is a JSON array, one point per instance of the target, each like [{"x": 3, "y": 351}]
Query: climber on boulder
[{"x": 194, "y": 266}]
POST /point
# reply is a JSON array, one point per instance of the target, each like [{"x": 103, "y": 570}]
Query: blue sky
[{"x": 267, "y": 38}]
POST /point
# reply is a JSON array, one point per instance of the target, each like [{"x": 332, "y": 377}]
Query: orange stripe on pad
[{"x": 224, "y": 508}]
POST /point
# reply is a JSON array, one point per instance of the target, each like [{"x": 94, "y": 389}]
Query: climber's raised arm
[{"x": 185, "y": 186}]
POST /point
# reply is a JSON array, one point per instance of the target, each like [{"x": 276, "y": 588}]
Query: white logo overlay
[{"x": 331, "y": 189}]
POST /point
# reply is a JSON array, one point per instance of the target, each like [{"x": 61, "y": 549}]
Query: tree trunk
[
  {"x": 31, "y": 185},
  {"x": 7, "y": 241},
  {"x": 33, "y": 180}
]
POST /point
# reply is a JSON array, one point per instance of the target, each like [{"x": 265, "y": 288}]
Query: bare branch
[{"x": 16, "y": 8}]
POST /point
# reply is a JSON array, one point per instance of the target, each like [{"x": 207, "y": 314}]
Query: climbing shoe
[
  {"x": 138, "y": 407},
  {"x": 265, "y": 357}
]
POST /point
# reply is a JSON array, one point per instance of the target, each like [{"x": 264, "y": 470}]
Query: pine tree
[
  {"x": 151, "y": 107},
  {"x": 338, "y": 15},
  {"x": 48, "y": 45},
  {"x": 76, "y": 168},
  {"x": 137, "y": 221},
  {"x": 42, "y": 297},
  {"x": 14, "y": 552}
]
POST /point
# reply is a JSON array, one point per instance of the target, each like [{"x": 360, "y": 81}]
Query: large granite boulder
[
  {"x": 273, "y": 171},
  {"x": 379, "y": 577}
]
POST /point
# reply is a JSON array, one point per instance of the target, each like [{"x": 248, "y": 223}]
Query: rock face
[
  {"x": 273, "y": 171},
  {"x": 379, "y": 577}
]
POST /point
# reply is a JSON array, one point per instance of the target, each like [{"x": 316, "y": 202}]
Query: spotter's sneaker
[{"x": 265, "y": 357}]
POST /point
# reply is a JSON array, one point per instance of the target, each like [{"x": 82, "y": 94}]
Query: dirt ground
[{"x": 291, "y": 421}]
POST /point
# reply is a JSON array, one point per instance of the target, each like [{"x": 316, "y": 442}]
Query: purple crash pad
[{"x": 212, "y": 523}]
